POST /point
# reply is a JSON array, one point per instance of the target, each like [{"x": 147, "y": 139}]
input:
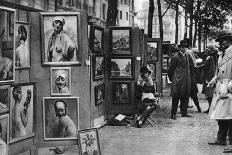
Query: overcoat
[
  {"x": 179, "y": 74},
  {"x": 221, "y": 106}
]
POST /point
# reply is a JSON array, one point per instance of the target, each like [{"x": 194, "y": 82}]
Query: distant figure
[
  {"x": 60, "y": 47},
  {"x": 20, "y": 112},
  {"x": 22, "y": 53},
  {"x": 2, "y": 143},
  {"x": 66, "y": 126},
  {"x": 61, "y": 81}
]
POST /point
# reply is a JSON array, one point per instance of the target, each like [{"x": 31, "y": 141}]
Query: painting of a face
[
  {"x": 60, "y": 109},
  {"x": 60, "y": 82}
]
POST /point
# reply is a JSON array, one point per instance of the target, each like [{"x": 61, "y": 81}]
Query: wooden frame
[
  {"x": 120, "y": 40},
  {"x": 23, "y": 49},
  {"x": 121, "y": 92},
  {"x": 99, "y": 92},
  {"x": 97, "y": 39},
  {"x": 27, "y": 91},
  {"x": 4, "y": 98},
  {"x": 152, "y": 67},
  {"x": 88, "y": 141},
  {"x": 58, "y": 85},
  {"x": 121, "y": 67},
  {"x": 51, "y": 118},
  {"x": 4, "y": 134},
  {"x": 98, "y": 67},
  {"x": 69, "y": 47},
  {"x": 7, "y": 45},
  {"x": 152, "y": 49}
]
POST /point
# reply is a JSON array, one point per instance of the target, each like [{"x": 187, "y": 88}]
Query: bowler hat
[
  {"x": 145, "y": 70},
  {"x": 183, "y": 43},
  {"x": 224, "y": 34}
]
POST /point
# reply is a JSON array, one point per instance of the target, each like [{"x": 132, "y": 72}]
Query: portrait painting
[
  {"x": 4, "y": 98},
  {"x": 61, "y": 36},
  {"x": 120, "y": 38},
  {"x": 121, "y": 67},
  {"x": 60, "y": 117},
  {"x": 60, "y": 80},
  {"x": 152, "y": 67},
  {"x": 121, "y": 92},
  {"x": 152, "y": 51},
  {"x": 22, "y": 45},
  {"x": 22, "y": 98},
  {"x": 88, "y": 142},
  {"x": 4, "y": 134},
  {"x": 7, "y": 47},
  {"x": 99, "y": 92},
  {"x": 98, "y": 67},
  {"x": 97, "y": 39}
]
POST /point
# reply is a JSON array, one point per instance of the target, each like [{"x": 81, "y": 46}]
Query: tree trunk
[
  {"x": 191, "y": 23},
  {"x": 195, "y": 34},
  {"x": 176, "y": 21},
  {"x": 150, "y": 18},
  {"x": 112, "y": 13},
  {"x": 186, "y": 22},
  {"x": 160, "y": 20},
  {"x": 199, "y": 36}
]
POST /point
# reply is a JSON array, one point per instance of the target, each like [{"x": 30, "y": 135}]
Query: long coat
[
  {"x": 221, "y": 106},
  {"x": 179, "y": 74}
]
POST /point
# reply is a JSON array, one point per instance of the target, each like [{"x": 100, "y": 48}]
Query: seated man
[{"x": 144, "y": 93}]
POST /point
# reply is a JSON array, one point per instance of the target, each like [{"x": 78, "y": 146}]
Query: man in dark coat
[{"x": 179, "y": 74}]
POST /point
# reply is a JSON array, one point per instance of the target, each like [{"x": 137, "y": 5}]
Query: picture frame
[
  {"x": 121, "y": 67},
  {"x": 120, "y": 40},
  {"x": 152, "y": 67},
  {"x": 25, "y": 105},
  {"x": 52, "y": 116},
  {"x": 97, "y": 39},
  {"x": 22, "y": 45},
  {"x": 121, "y": 92},
  {"x": 4, "y": 98},
  {"x": 4, "y": 132},
  {"x": 7, "y": 45},
  {"x": 88, "y": 141},
  {"x": 151, "y": 54},
  {"x": 98, "y": 67},
  {"x": 67, "y": 50},
  {"x": 61, "y": 81},
  {"x": 99, "y": 92}
]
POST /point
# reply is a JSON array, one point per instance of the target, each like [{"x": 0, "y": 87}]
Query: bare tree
[
  {"x": 150, "y": 18},
  {"x": 112, "y": 13}
]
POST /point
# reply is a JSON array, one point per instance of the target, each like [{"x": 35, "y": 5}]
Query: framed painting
[
  {"x": 121, "y": 67},
  {"x": 121, "y": 92},
  {"x": 60, "y": 38},
  {"x": 152, "y": 67},
  {"x": 99, "y": 92},
  {"x": 98, "y": 67},
  {"x": 152, "y": 51},
  {"x": 60, "y": 81},
  {"x": 22, "y": 99},
  {"x": 97, "y": 39},
  {"x": 88, "y": 142},
  {"x": 60, "y": 117},
  {"x": 4, "y": 134},
  {"x": 22, "y": 45},
  {"x": 4, "y": 98},
  {"x": 7, "y": 45},
  {"x": 120, "y": 40}
]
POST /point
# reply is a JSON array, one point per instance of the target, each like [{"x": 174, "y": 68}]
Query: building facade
[{"x": 126, "y": 13}]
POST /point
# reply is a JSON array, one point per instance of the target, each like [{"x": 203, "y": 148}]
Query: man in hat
[
  {"x": 179, "y": 75},
  {"x": 221, "y": 106},
  {"x": 60, "y": 47}
]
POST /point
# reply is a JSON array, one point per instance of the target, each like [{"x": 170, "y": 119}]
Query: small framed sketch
[
  {"x": 22, "y": 41},
  {"x": 60, "y": 81},
  {"x": 152, "y": 51},
  {"x": 60, "y": 117},
  {"x": 120, "y": 40},
  {"x": 4, "y": 134},
  {"x": 4, "y": 98},
  {"x": 155, "y": 86},
  {"x": 88, "y": 142},
  {"x": 60, "y": 38},
  {"x": 98, "y": 67},
  {"x": 121, "y": 92},
  {"x": 97, "y": 39},
  {"x": 99, "y": 92},
  {"x": 22, "y": 100},
  {"x": 121, "y": 67},
  {"x": 152, "y": 67}
]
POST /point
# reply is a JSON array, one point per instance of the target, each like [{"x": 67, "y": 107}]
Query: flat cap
[{"x": 224, "y": 34}]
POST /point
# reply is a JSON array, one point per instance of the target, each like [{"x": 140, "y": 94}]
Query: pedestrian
[
  {"x": 179, "y": 75},
  {"x": 209, "y": 70},
  {"x": 221, "y": 106}
]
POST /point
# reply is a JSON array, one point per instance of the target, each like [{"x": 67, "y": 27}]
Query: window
[
  {"x": 126, "y": 15},
  {"x": 104, "y": 11},
  {"x": 120, "y": 14}
]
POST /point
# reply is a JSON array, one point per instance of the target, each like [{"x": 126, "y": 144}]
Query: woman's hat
[{"x": 145, "y": 70}]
